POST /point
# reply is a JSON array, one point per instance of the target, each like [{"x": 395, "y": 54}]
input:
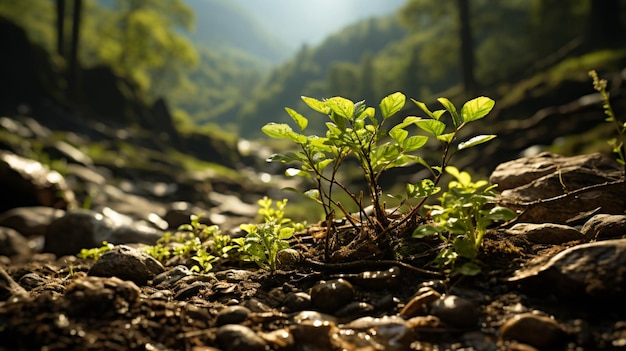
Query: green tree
[{"x": 141, "y": 41}]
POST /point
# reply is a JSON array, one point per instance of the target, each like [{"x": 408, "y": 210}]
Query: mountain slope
[{"x": 225, "y": 26}]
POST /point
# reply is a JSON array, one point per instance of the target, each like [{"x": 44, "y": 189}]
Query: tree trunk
[
  {"x": 604, "y": 26},
  {"x": 73, "y": 60},
  {"x": 60, "y": 7},
  {"x": 467, "y": 46}
]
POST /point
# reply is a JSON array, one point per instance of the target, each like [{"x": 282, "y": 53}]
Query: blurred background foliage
[{"x": 231, "y": 74}]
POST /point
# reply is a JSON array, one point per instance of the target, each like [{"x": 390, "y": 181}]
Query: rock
[
  {"x": 604, "y": 226},
  {"x": 232, "y": 337},
  {"x": 30, "y": 221},
  {"x": 76, "y": 230},
  {"x": 8, "y": 286},
  {"x": 542, "y": 332},
  {"x": 170, "y": 277},
  {"x": 329, "y": 296},
  {"x": 593, "y": 271},
  {"x": 525, "y": 170},
  {"x": 12, "y": 243},
  {"x": 29, "y": 281},
  {"x": 316, "y": 335},
  {"x": 545, "y": 233},
  {"x": 418, "y": 305},
  {"x": 385, "y": 333},
  {"x": 80, "y": 229},
  {"x": 298, "y": 301},
  {"x": 232, "y": 315},
  {"x": 179, "y": 213},
  {"x": 455, "y": 311},
  {"x": 279, "y": 339},
  {"x": 526, "y": 181},
  {"x": 100, "y": 297},
  {"x": 26, "y": 182},
  {"x": 126, "y": 263}
]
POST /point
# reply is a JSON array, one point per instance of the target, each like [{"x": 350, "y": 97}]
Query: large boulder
[{"x": 558, "y": 189}]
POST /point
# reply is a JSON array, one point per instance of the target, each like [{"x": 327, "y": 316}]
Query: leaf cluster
[
  {"x": 206, "y": 245},
  {"x": 355, "y": 130},
  {"x": 461, "y": 220}
]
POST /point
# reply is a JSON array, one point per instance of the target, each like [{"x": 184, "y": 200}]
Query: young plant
[
  {"x": 617, "y": 144},
  {"x": 263, "y": 241},
  {"x": 96, "y": 252},
  {"x": 461, "y": 220},
  {"x": 353, "y": 129}
]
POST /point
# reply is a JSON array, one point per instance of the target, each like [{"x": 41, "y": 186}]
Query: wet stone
[
  {"x": 232, "y": 337},
  {"x": 539, "y": 331},
  {"x": 170, "y": 277},
  {"x": 455, "y": 311},
  {"x": 418, "y": 305},
  {"x": 232, "y": 315},
  {"x": 355, "y": 310},
  {"x": 329, "y": 296},
  {"x": 385, "y": 333},
  {"x": 298, "y": 301},
  {"x": 191, "y": 290}
]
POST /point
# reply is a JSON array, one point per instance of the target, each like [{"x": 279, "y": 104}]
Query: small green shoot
[
  {"x": 95, "y": 253},
  {"x": 461, "y": 220},
  {"x": 617, "y": 144}
]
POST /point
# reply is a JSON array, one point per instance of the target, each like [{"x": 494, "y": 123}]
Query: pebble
[
  {"x": 355, "y": 309},
  {"x": 419, "y": 304},
  {"x": 170, "y": 277},
  {"x": 100, "y": 296},
  {"x": 315, "y": 335},
  {"x": 127, "y": 263},
  {"x": 374, "y": 279},
  {"x": 234, "y": 337},
  {"x": 279, "y": 339},
  {"x": 535, "y": 330},
  {"x": 297, "y": 301},
  {"x": 232, "y": 315},
  {"x": 604, "y": 226},
  {"x": 387, "y": 332},
  {"x": 29, "y": 281},
  {"x": 329, "y": 296},
  {"x": 455, "y": 311}
]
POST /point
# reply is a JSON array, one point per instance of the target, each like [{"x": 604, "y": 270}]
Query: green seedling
[
  {"x": 263, "y": 241},
  {"x": 617, "y": 144},
  {"x": 355, "y": 130},
  {"x": 96, "y": 252},
  {"x": 461, "y": 220}
]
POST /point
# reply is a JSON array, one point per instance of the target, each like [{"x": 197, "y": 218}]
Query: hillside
[{"x": 223, "y": 25}]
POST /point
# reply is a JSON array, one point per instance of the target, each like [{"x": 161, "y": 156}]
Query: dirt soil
[{"x": 42, "y": 322}]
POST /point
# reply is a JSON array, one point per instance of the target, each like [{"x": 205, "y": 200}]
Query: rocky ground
[{"x": 551, "y": 280}]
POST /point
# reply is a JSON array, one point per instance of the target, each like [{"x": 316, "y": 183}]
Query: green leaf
[
  {"x": 277, "y": 130},
  {"x": 341, "y": 106},
  {"x": 298, "y": 118},
  {"x": 293, "y": 172},
  {"x": 285, "y": 233},
  {"x": 283, "y": 131},
  {"x": 469, "y": 269},
  {"x": 392, "y": 104},
  {"x": 424, "y": 108},
  {"x": 425, "y": 187},
  {"x": 431, "y": 126},
  {"x": 398, "y": 134},
  {"x": 312, "y": 194},
  {"x": 317, "y": 105},
  {"x": 413, "y": 143},
  {"x": 449, "y": 106},
  {"x": 426, "y": 230},
  {"x": 446, "y": 138},
  {"x": 465, "y": 247},
  {"x": 500, "y": 213},
  {"x": 477, "y": 108},
  {"x": 479, "y": 139}
]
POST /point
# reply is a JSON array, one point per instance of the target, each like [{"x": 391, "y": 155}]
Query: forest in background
[{"x": 428, "y": 47}]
